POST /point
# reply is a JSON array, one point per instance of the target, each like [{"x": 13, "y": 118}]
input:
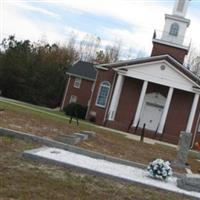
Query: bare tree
[
  {"x": 196, "y": 65},
  {"x": 111, "y": 53},
  {"x": 88, "y": 47},
  {"x": 193, "y": 60}
]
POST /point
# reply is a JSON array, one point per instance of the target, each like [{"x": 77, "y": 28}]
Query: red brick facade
[
  {"x": 83, "y": 93},
  {"x": 177, "y": 117},
  {"x": 127, "y": 104},
  {"x": 102, "y": 75},
  {"x": 161, "y": 49}
]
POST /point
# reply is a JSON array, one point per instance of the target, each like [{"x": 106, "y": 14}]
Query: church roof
[
  {"x": 83, "y": 69},
  {"x": 123, "y": 64}
]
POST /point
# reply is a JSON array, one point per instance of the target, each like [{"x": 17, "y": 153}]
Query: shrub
[
  {"x": 75, "y": 110},
  {"x": 92, "y": 116},
  {"x": 92, "y": 119},
  {"x": 160, "y": 169}
]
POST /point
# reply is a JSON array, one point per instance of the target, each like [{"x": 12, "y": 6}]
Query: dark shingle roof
[{"x": 83, "y": 69}]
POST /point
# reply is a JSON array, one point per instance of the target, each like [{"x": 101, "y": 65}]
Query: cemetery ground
[
  {"x": 22, "y": 179},
  {"x": 25, "y": 179}
]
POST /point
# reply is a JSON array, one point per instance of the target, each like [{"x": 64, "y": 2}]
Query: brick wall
[
  {"x": 178, "y": 115},
  {"x": 102, "y": 75},
  {"x": 83, "y": 93},
  {"x": 161, "y": 49},
  {"x": 127, "y": 104}
]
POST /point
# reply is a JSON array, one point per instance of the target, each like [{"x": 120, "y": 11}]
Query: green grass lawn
[
  {"x": 22, "y": 179},
  {"x": 46, "y": 113}
]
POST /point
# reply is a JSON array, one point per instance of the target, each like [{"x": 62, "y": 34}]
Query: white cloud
[
  {"x": 140, "y": 39},
  {"x": 142, "y": 17},
  {"x": 26, "y": 6},
  {"x": 193, "y": 31},
  {"x": 137, "y": 13},
  {"x": 14, "y": 22}
]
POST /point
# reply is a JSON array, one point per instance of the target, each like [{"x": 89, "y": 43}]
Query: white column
[
  {"x": 140, "y": 103},
  {"x": 115, "y": 97},
  {"x": 165, "y": 111},
  {"x": 65, "y": 94},
  {"x": 192, "y": 113}
]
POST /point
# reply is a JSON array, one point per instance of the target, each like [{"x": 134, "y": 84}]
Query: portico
[
  {"x": 158, "y": 92},
  {"x": 153, "y": 107}
]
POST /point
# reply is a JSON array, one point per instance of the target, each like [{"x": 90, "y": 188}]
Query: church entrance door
[{"x": 152, "y": 111}]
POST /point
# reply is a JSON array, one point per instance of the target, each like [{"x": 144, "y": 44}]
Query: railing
[
  {"x": 177, "y": 40},
  {"x": 142, "y": 133}
]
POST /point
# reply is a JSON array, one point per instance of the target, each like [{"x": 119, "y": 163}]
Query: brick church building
[{"x": 157, "y": 94}]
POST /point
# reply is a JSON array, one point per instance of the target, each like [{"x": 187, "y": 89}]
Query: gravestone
[
  {"x": 69, "y": 139},
  {"x": 183, "y": 150},
  {"x": 189, "y": 182},
  {"x": 75, "y": 138},
  {"x": 90, "y": 134}
]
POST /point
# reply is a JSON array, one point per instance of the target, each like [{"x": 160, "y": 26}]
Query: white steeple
[
  {"x": 180, "y": 8},
  {"x": 176, "y": 24}
]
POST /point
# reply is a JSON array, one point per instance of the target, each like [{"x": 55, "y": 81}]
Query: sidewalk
[
  {"x": 136, "y": 137},
  {"x": 103, "y": 167}
]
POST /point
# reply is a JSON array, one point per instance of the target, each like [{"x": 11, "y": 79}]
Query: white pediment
[{"x": 161, "y": 72}]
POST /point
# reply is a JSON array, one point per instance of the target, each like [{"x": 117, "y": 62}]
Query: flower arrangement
[
  {"x": 197, "y": 146},
  {"x": 160, "y": 169}
]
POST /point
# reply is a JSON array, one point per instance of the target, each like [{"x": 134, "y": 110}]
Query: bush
[
  {"x": 75, "y": 110},
  {"x": 92, "y": 119},
  {"x": 160, "y": 169}
]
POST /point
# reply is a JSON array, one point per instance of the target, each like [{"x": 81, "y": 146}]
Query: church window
[
  {"x": 73, "y": 99},
  {"x": 174, "y": 29},
  {"x": 77, "y": 83},
  {"x": 103, "y": 94}
]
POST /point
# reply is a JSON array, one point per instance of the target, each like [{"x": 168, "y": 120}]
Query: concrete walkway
[
  {"x": 105, "y": 168},
  {"x": 135, "y": 137}
]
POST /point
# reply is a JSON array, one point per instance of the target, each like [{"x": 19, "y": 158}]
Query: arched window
[
  {"x": 174, "y": 29},
  {"x": 103, "y": 94}
]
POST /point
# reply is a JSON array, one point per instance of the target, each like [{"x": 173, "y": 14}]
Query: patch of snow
[{"x": 109, "y": 168}]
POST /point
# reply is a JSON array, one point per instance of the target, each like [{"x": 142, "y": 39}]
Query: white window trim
[
  {"x": 99, "y": 105},
  {"x": 71, "y": 99},
  {"x": 77, "y": 82}
]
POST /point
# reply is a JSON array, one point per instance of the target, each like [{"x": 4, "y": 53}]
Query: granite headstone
[
  {"x": 183, "y": 150},
  {"x": 189, "y": 182}
]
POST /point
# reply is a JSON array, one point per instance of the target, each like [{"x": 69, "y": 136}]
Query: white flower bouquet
[{"x": 160, "y": 169}]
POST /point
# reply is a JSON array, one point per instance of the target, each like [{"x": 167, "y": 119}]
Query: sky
[{"x": 130, "y": 22}]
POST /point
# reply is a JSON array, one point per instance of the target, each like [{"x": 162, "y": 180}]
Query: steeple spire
[
  {"x": 176, "y": 24},
  {"x": 173, "y": 35},
  {"x": 180, "y": 8}
]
